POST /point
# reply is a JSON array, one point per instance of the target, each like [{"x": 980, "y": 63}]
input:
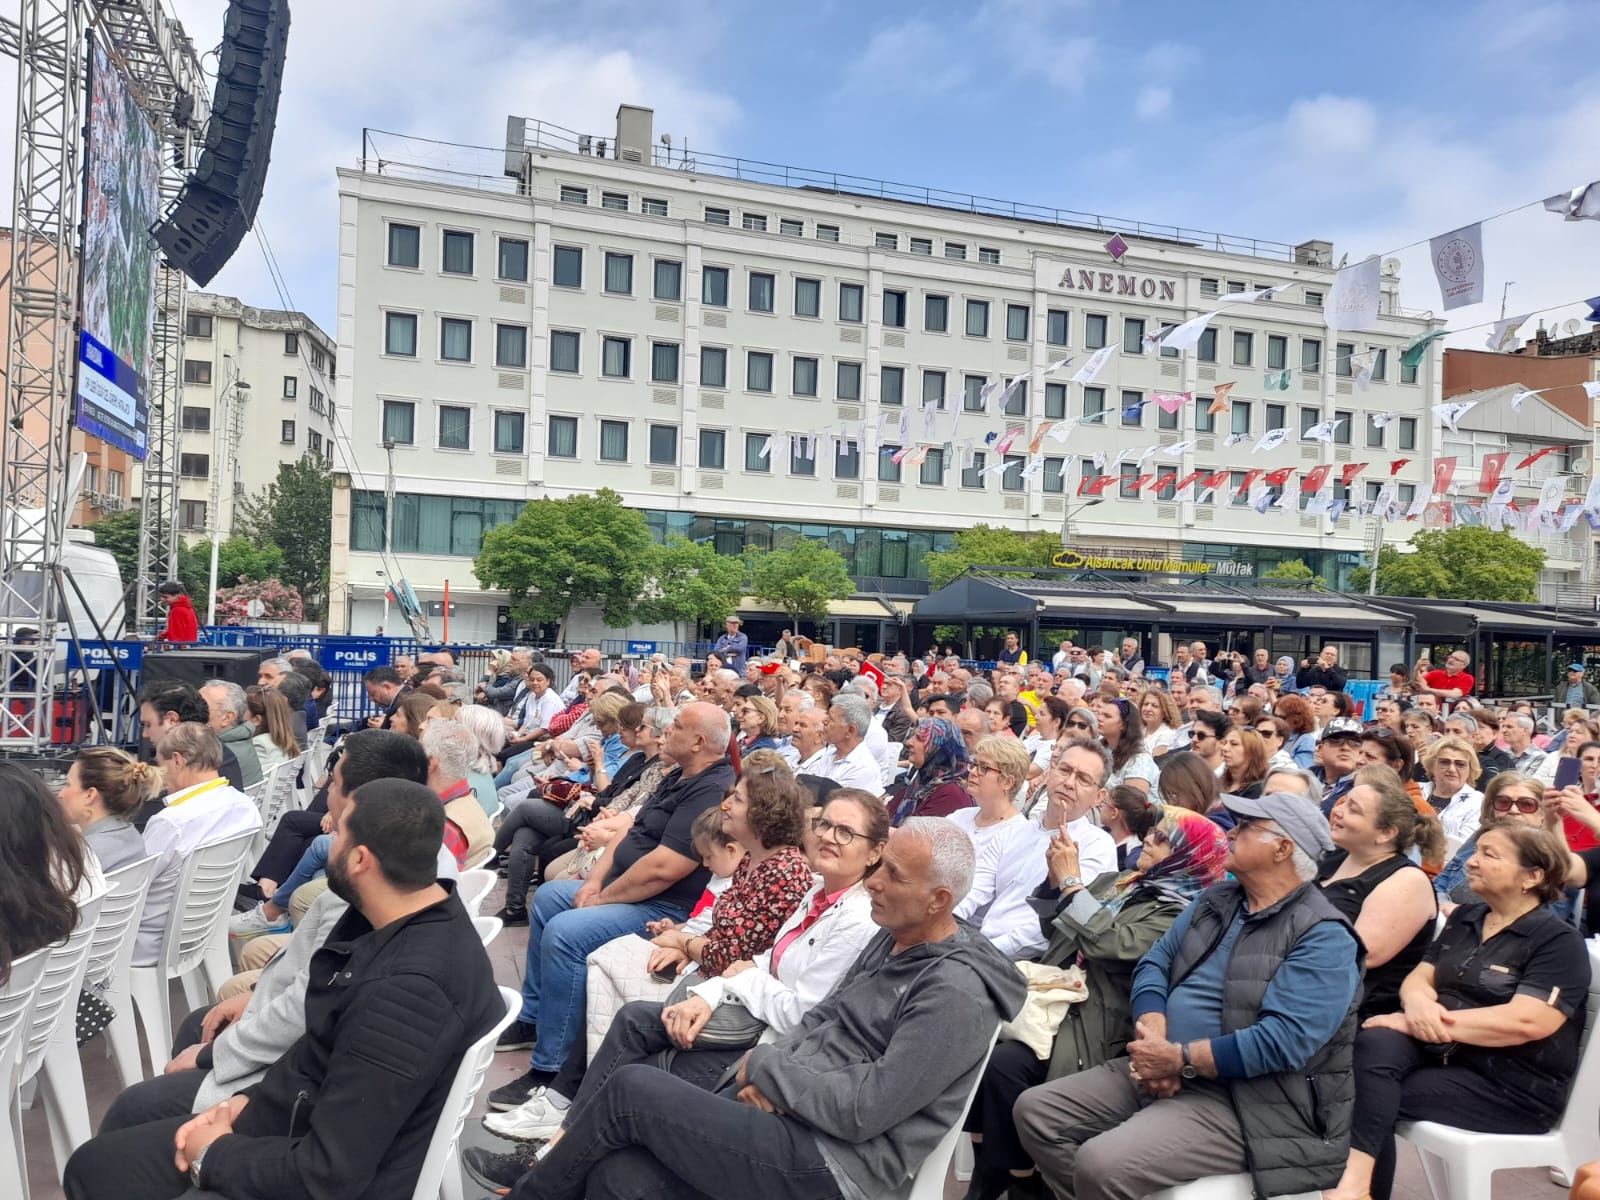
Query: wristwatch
[
  {"x": 1188, "y": 1071},
  {"x": 194, "y": 1168},
  {"x": 1071, "y": 881}
]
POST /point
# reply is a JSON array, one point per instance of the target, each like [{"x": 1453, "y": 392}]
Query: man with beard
[{"x": 393, "y": 999}]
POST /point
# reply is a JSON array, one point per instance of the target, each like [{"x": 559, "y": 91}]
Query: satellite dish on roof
[
  {"x": 1391, "y": 268},
  {"x": 1579, "y": 466},
  {"x": 1571, "y": 327}
]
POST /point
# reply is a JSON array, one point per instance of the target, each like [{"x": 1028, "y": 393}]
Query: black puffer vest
[{"x": 1297, "y": 1123}]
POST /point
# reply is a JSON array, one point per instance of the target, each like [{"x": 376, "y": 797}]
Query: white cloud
[
  {"x": 914, "y": 58},
  {"x": 1333, "y": 124},
  {"x": 1153, "y": 103}
]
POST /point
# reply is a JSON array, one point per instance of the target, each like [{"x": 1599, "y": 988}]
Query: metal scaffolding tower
[{"x": 48, "y": 41}]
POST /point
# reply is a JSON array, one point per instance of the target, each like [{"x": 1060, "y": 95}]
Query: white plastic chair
[
  {"x": 195, "y": 939},
  {"x": 277, "y": 798},
  {"x": 16, "y": 1002},
  {"x": 111, "y": 957},
  {"x": 51, "y": 1049},
  {"x": 928, "y": 1182},
  {"x": 472, "y": 887},
  {"x": 888, "y": 757},
  {"x": 1460, "y": 1164},
  {"x": 441, "y": 1169},
  {"x": 488, "y": 929},
  {"x": 1221, "y": 1187}
]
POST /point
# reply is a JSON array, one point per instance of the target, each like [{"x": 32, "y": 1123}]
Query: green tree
[
  {"x": 559, "y": 554},
  {"x": 238, "y": 559},
  {"x": 295, "y": 513},
  {"x": 1468, "y": 562},
  {"x": 802, "y": 578},
  {"x": 991, "y": 544},
  {"x": 118, "y": 535},
  {"x": 1295, "y": 571},
  {"x": 690, "y": 581}
]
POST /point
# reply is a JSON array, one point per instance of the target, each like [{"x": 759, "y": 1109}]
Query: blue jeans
[
  {"x": 313, "y": 863},
  {"x": 560, "y": 940},
  {"x": 510, "y": 769},
  {"x": 646, "y": 1133}
]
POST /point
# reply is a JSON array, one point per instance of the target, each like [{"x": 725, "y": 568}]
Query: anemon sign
[
  {"x": 1076, "y": 560},
  {"x": 1056, "y": 276}
]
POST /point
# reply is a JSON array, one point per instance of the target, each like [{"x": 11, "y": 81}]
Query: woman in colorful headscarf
[
  {"x": 1105, "y": 927},
  {"x": 936, "y": 784}
]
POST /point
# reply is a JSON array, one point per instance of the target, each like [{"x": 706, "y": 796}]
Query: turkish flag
[
  {"x": 1191, "y": 477},
  {"x": 1315, "y": 478},
  {"x": 1279, "y": 477},
  {"x": 1444, "y": 470},
  {"x": 1350, "y": 471},
  {"x": 1537, "y": 455},
  {"x": 1096, "y": 486},
  {"x": 1489, "y": 477},
  {"x": 1215, "y": 480},
  {"x": 871, "y": 671},
  {"x": 1396, "y": 464}
]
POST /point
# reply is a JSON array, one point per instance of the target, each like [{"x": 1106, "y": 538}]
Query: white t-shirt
[
  {"x": 1011, "y": 864},
  {"x": 206, "y": 812},
  {"x": 858, "y": 769}
]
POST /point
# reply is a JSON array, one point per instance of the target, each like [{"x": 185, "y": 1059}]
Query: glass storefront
[
  {"x": 867, "y": 550},
  {"x": 1335, "y": 566}
]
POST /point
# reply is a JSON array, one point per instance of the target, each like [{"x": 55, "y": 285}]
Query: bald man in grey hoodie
[{"x": 846, "y": 1106}]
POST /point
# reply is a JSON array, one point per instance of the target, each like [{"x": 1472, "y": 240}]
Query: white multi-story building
[
  {"x": 243, "y": 433},
  {"x": 631, "y": 320}
]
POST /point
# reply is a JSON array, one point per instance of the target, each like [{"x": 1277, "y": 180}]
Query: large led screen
[{"x": 121, "y": 204}]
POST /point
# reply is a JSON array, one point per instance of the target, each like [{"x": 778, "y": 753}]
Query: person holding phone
[{"x": 1574, "y": 797}]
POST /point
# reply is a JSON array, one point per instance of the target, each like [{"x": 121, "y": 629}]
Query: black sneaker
[
  {"x": 516, "y": 1093},
  {"x": 509, "y": 918},
  {"x": 496, "y": 1171},
  {"x": 518, "y": 1035}
]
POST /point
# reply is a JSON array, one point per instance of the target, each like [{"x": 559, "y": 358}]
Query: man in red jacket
[{"x": 182, "y": 624}]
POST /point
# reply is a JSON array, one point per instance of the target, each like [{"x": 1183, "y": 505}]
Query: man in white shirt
[
  {"x": 1077, "y": 784},
  {"x": 200, "y": 807},
  {"x": 851, "y": 763},
  {"x": 1061, "y": 657},
  {"x": 791, "y": 706},
  {"x": 581, "y": 662},
  {"x": 810, "y": 743}
]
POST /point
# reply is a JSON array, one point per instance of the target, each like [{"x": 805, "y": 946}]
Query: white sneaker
[
  {"x": 534, "y": 1121},
  {"x": 254, "y": 922}
]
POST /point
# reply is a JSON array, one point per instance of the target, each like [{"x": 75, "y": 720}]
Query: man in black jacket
[
  {"x": 1325, "y": 671},
  {"x": 398, "y": 992}
]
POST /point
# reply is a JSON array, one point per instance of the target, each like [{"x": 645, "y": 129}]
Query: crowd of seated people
[{"x": 777, "y": 913}]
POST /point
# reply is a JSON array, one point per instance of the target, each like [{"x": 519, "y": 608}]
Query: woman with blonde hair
[
  {"x": 757, "y": 717},
  {"x": 1161, "y": 720},
  {"x": 268, "y": 711},
  {"x": 1452, "y": 765},
  {"x": 489, "y": 728},
  {"x": 103, "y": 792}
]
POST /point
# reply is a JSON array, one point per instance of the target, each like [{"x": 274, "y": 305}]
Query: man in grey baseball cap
[{"x": 1291, "y": 816}]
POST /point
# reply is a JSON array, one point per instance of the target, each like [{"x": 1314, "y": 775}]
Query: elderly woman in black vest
[{"x": 1488, "y": 1032}]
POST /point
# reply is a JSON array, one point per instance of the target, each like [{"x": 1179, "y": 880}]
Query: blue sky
[{"x": 1370, "y": 124}]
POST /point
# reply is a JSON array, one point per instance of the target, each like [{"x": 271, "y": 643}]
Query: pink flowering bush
[{"x": 280, "y": 601}]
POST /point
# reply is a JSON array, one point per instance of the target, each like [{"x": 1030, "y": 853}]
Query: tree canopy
[
  {"x": 294, "y": 513},
  {"x": 1467, "y": 562},
  {"x": 990, "y": 544},
  {"x": 1294, "y": 570},
  {"x": 559, "y": 554},
  {"x": 802, "y": 578},
  {"x": 690, "y": 581}
]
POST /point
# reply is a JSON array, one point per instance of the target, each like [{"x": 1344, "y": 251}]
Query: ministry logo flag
[{"x": 1458, "y": 265}]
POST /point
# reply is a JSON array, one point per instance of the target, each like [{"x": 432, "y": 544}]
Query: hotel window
[
  {"x": 799, "y": 465},
  {"x": 1132, "y": 409},
  {"x": 972, "y": 476},
  {"x": 664, "y": 445},
  {"x": 399, "y": 422},
  {"x": 978, "y": 318},
  {"x": 1277, "y": 416},
  {"x": 1310, "y": 418},
  {"x": 847, "y": 385},
  {"x": 754, "y": 222},
  {"x": 894, "y": 309},
  {"x": 921, "y": 245},
  {"x": 652, "y": 206},
  {"x": 1094, "y": 403},
  {"x": 1244, "y": 348},
  {"x": 847, "y": 460},
  {"x": 1311, "y": 356},
  {"x": 1277, "y": 352},
  {"x": 512, "y": 260},
  {"x": 1240, "y": 410},
  {"x": 763, "y": 288},
  {"x": 1056, "y": 326},
  {"x": 568, "y": 267},
  {"x": 564, "y": 346},
  {"x": 851, "y": 302},
  {"x": 713, "y": 447},
  {"x": 1341, "y": 430},
  {"x": 455, "y": 427},
  {"x": 508, "y": 432},
  {"x": 888, "y": 469},
  {"x": 754, "y": 460},
  {"x": 936, "y": 314},
  {"x": 1205, "y": 421},
  {"x": 718, "y": 216},
  {"x": 808, "y": 297},
  {"x": 805, "y": 377},
  {"x": 1133, "y": 335},
  {"x": 1380, "y": 362},
  {"x": 714, "y": 286},
  {"x": 572, "y": 194},
  {"x": 789, "y": 227},
  {"x": 664, "y": 362},
  {"x": 1016, "y": 404},
  {"x": 399, "y": 338},
  {"x": 713, "y": 367},
  {"x": 1344, "y": 354},
  {"x": 891, "y": 385},
  {"x": 1207, "y": 349},
  {"x": 613, "y": 441},
  {"x": 511, "y": 346},
  {"x": 1374, "y": 436},
  {"x": 972, "y": 391},
  {"x": 619, "y": 274},
  {"x": 1016, "y": 322},
  {"x": 1011, "y": 478},
  {"x": 827, "y": 233},
  {"x": 668, "y": 282},
  {"x": 933, "y": 468},
  {"x": 616, "y": 357},
  {"x": 933, "y": 389},
  {"x": 457, "y": 258},
  {"x": 990, "y": 255},
  {"x": 757, "y": 371},
  {"x": 1094, "y": 331},
  {"x": 405, "y": 247},
  {"x": 955, "y": 250},
  {"x": 455, "y": 339},
  {"x": 1055, "y": 401},
  {"x": 1055, "y": 475},
  {"x": 886, "y": 241}
]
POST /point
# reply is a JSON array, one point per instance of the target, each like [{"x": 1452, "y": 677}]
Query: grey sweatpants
[{"x": 1094, "y": 1136}]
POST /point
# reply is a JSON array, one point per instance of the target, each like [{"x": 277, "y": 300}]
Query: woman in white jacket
[
  {"x": 1010, "y": 848},
  {"x": 814, "y": 948}
]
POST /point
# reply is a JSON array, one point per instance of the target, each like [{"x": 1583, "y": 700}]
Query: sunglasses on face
[
  {"x": 1459, "y": 764},
  {"x": 1202, "y": 737},
  {"x": 1267, "y": 731},
  {"x": 1523, "y": 804},
  {"x": 1077, "y": 724}
]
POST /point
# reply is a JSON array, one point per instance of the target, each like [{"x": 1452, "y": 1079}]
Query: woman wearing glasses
[
  {"x": 1105, "y": 926},
  {"x": 1275, "y": 736},
  {"x": 1122, "y": 730},
  {"x": 936, "y": 784},
  {"x": 1372, "y": 881},
  {"x": 1159, "y": 712},
  {"x": 818, "y": 943},
  {"x": 1452, "y": 765},
  {"x": 1488, "y": 1033},
  {"x": 1010, "y": 849},
  {"x": 758, "y": 725},
  {"x": 1510, "y": 796}
]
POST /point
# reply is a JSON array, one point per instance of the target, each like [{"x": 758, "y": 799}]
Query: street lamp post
[
  {"x": 1067, "y": 512},
  {"x": 223, "y": 436}
]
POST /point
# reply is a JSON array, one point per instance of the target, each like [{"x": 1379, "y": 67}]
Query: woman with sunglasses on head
[
  {"x": 1244, "y": 762},
  {"x": 1372, "y": 881},
  {"x": 1490, "y": 1026},
  {"x": 1159, "y": 712},
  {"x": 1510, "y": 796},
  {"x": 936, "y": 784},
  {"x": 1105, "y": 926},
  {"x": 1122, "y": 730}
]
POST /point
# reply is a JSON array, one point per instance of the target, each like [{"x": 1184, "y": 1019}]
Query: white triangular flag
[
  {"x": 1369, "y": 363},
  {"x": 1418, "y": 506},
  {"x": 1550, "y": 495},
  {"x": 1323, "y": 431},
  {"x": 1187, "y": 336},
  {"x": 1381, "y": 420},
  {"x": 905, "y": 427},
  {"x": 1178, "y": 449},
  {"x": 1592, "y": 390},
  {"x": 1580, "y": 204},
  {"x": 1059, "y": 432},
  {"x": 1233, "y": 439},
  {"x": 1270, "y": 440},
  {"x": 1060, "y": 364},
  {"x": 1099, "y": 460},
  {"x": 1503, "y": 337},
  {"x": 1097, "y": 360},
  {"x": 1034, "y": 468},
  {"x": 1516, "y": 401},
  {"x": 1255, "y": 297},
  {"x": 766, "y": 448},
  {"x": 1452, "y": 411}
]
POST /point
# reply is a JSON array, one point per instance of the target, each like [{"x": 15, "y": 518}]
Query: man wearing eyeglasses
[
  {"x": 1338, "y": 758},
  {"x": 1076, "y": 783},
  {"x": 1245, "y": 1016},
  {"x": 1453, "y": 682}
]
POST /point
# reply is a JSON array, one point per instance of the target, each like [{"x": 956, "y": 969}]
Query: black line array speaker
[
  {"x": 218, "y": 203},
  {"x": 195, "y": 666}
]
